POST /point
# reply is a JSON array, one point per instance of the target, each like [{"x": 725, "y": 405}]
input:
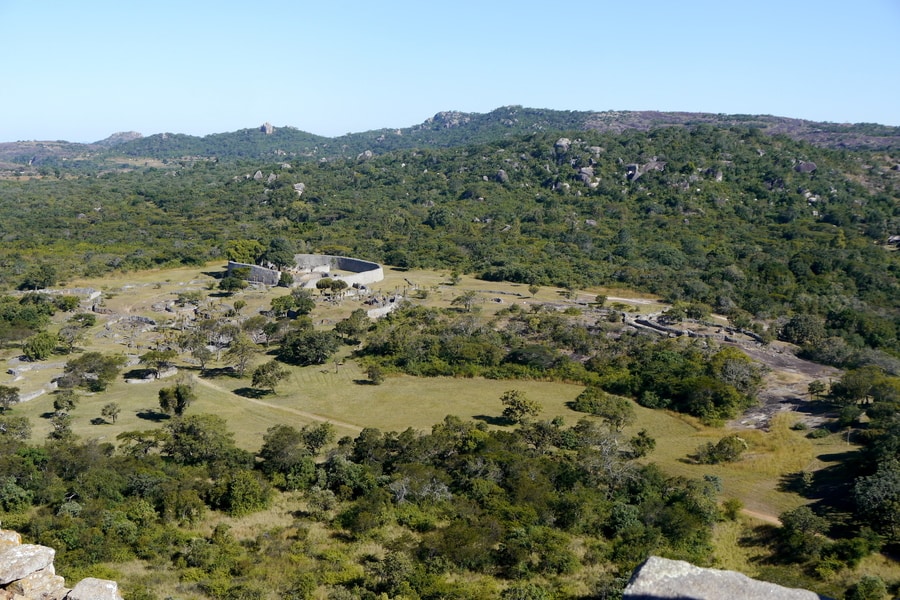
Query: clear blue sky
[{"x": 81, "y": 70}]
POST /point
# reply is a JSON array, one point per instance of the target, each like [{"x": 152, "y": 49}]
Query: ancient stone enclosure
[{"x": 309, "y": 268}]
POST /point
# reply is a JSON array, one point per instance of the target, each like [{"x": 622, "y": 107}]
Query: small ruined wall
[{"x": 257, "y": 274}]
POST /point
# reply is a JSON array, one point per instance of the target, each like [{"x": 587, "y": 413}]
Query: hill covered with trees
[{"x": 785, "y": 238}]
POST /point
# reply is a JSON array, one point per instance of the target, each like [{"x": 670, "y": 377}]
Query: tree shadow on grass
[
  {"x": 219, "y": 372},
  {"x": 99, "y": 421},
  {"x": 492, "y": 420},
  {"x": 254, "y": 393},
  {"x": 153, "y": 415},
  {"x": 140, "y": 374},
  {"x": 364, "y": 382}
]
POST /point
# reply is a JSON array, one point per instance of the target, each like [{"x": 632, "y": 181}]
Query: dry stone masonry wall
[
  {"x": 27, "y": 573},
  {"x": 361, "y": 272}
]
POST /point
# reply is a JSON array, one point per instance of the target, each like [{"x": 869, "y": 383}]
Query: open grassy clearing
[{"x": 340, "y": 393}]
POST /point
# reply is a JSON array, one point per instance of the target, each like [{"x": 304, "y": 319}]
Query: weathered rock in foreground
[
  {"x": 90, "y": 588},
  {"x": 664, "y": 579},
  {"x": 27, "y": 573}
]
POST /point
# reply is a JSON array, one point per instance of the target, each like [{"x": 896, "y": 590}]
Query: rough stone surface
[
  {"x": 20, "y": 561},
  {"x": 9, "y": 538},
  {"x": 95, "y": 589},
  {"x": 44, "y": 584},
  {"x": 661, "y": 579}
]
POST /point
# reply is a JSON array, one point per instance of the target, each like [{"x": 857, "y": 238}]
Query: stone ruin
[{"x": 27, "y": 573}]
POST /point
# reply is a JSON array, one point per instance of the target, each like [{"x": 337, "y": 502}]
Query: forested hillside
[{"x": 751, "y": 226}]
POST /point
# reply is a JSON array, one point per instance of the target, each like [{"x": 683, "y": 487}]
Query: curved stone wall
[{"x": 362, "y": 272}]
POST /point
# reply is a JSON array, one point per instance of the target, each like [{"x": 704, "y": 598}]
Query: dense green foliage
[
  {"x": 723, "y": 218},
  {"x": 460, "y": 499}
]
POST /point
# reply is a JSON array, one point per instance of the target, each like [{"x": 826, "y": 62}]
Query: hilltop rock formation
[
  {"x": 27, "y": 573},
  {"x": 664, "y": 579}
]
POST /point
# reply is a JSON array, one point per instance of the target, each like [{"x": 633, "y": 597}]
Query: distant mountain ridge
[{"x": 444, "y": 129}]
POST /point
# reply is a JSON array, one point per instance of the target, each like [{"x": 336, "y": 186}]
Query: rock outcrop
[
  {"x": 662, "y": 579},
  {"x": 27, "y": 573}
]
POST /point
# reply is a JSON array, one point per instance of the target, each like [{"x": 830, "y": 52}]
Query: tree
[
  {"x": 243, "y": 251},
  {"x": 533, "y": 289},
  {"x": 14, "y": 428},
  {"x": 9, "y": 395},
  {"x": 727, "y": 449},
  {"x": 241, "y": 351},
  {"x": 61, "y": 427},
  {"x": 198, "y": 439},
  {"x": 817, "y": 388},
  {"x": 268, "y": 375},
  {"x": 39, "y": 277},
  {"x": 64, "y": 400},
  {"x": 308, "y": 347},
  {"x": 878, "y": 498},
  {"x": 202, "y": 354},
  {"x": 467, "y": 300},
  {"x": 355, "y": 325},
  {"x": 803, "y": 329},
  {"x": 615, "y": 410},
  {"x": 280, "y": 253},
  {"x": 69, "y": 336},
  {"x": 375, "y": 374},
  {"x": 158, "y": 360},
  {"x": 517, "y": 407},
  {"x": 801, "y": 533},
  {"x": 176, "y": 399},
  {"x": 284, "y": 453},
  {"x": 110, "y": 411},
  {"x": 303, "y": 301},
  {"x": 40, "y": 346},
  {"x": 232, "y": 284}
]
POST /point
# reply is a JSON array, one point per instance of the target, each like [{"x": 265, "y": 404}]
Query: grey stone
[
  {"x": 44, "y": 584},
  {"x": 20, "y": 561},
  {"x": 661, "y": 579},
  {"x": 95, "y": 589},
  {"x": 9, "y": 538}
]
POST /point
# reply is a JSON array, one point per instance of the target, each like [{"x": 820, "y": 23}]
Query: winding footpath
[{"x": 293, "y": 411}]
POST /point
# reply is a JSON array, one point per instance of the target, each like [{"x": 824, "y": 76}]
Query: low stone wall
[{"x": 27, "y": 573}]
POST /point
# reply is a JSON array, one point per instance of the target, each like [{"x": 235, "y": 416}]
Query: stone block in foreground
[
  {"x": 664, "y": 579},
  {"x": 90, "y": 588}
]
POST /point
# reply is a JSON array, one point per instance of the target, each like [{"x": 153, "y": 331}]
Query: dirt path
[
  {"x": 772, "y": 519},
  {"x": 293, "y": 411}
]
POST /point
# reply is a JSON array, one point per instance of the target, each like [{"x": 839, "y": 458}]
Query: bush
[{"x": 728, "y": 449}]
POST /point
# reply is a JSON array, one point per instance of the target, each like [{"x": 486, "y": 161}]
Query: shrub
[{"x": 728, "y": 449}]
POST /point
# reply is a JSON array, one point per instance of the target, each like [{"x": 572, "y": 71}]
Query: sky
[{"x": 80, "y": 71}]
